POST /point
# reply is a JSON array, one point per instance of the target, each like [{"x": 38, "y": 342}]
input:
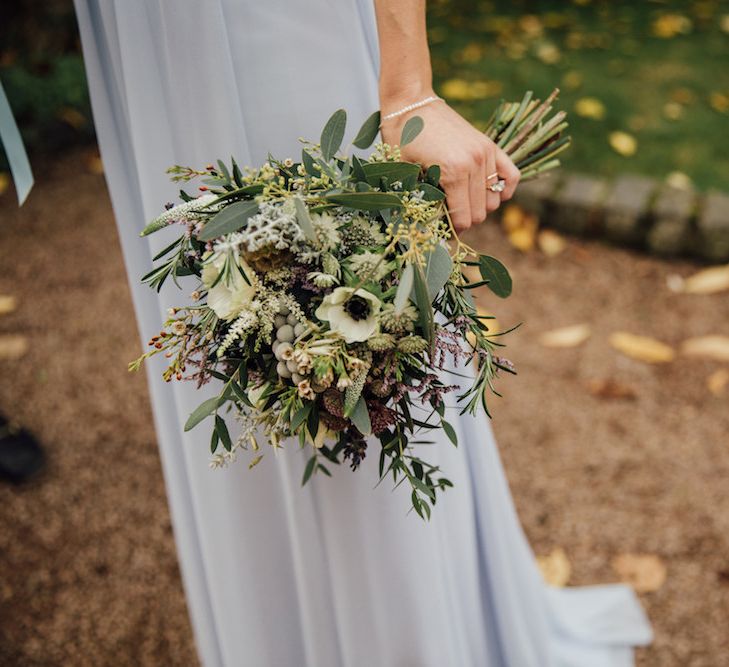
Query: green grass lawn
[{"x": 657, "y": 71}]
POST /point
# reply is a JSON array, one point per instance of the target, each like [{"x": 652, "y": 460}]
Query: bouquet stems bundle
[
  {"x": 331, "y": 304},
  {"x": 531, "y": 141}
]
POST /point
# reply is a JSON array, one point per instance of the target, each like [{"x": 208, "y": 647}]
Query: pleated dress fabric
[{"x": 335, "y": 574}]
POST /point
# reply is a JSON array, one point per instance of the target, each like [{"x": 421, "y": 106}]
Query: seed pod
[
  {"x": 296, "y": 378},
  {"x": 291, "y": 319},
  {"x": 292, "y": 366},
  {"x": 283, "y": 370},
  {"x": 285, "y": 333},
  {"x": 279, "y": 321},
  {"x": 284, "y": 310}
]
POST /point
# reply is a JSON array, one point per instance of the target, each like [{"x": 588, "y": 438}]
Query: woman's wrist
[{"x": 395, "y": 97}]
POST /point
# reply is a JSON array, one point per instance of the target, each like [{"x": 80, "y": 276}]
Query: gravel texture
[{"x": 88, "y": 574}]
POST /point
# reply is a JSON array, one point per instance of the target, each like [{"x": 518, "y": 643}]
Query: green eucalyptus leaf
[
  {"x": 431, "y": 193},
  {"x": 496, "y": 275},
  {"x": 432, "y": 175},
  {"x": 205, "y": 409},
  {"x": 449, "y": 431},
  {"x": 404, "y": 288},
  {"x": 437, "y": 270},
  {"x": 425, "y": 305},
  {"x": 304, "y": 219},
  {"x": 222, "y": 429},
  {"x": 309, "y": 470},
  {"x": 237, "y": 174},
  {"x": 412, "y": 128},
  {"x": 333, "y": 133},
  {"x": 308, "y": 163},
  {"x": 368, "y": 132},
  {"x": 390, "y": 171},
  {"x": 224, "y": 171},
  {"x": 360, "y": 417},
  {"x": 358, "y": 171},
  {"x": 301, "y": 416},
  {"x": 229, "y": 220},
  {"x": 366, "y": 201}
]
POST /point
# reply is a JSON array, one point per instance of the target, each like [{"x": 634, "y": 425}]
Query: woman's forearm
[{"x": 405, "y": 71}]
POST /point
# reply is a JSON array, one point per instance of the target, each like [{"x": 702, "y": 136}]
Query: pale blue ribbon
[{"x": 14, "y": 149}]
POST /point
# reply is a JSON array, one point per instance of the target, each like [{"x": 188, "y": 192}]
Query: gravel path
[{"x": 88, "y": 574}]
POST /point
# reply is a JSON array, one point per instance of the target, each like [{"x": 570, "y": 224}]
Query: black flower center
[{"x": 357, "y": 307}]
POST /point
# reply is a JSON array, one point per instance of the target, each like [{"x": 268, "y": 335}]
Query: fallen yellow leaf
[
  {"x": 548, "y": 53},
  {"x": 670, "y": 25},
  {"x": 718, "y": 381},
  {"x": 555, "y": 567},
  {"x": 471, "y": 53},
  {"x": 462, "y": 90},
  {"x": 7, "y": 304},
  {"x": 673, "y": 110},
  {"x": 13, "y": 346},
  {"x": 623, "y": 143},
  {"x": 571, "y": 336},
  {"x": 590, "y": 107},
  {"x": 719, "y": 102},
  {"x": 609, "y": 388},
  {"x": 531, "y": 25},
  {"x": 520, "y": 227},
  {"x": 642, "y": 348},
  {"x": 707, "y": 347},
  {"x": 677, "y": 179},
  {"x": 644, "y": 572},
  {"x": 572, "y": 80},
  {"x": 708, "y": 281},
  {"x": 551, "y": 243}
]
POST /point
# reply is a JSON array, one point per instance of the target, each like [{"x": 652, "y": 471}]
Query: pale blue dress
[{"x": 334, "y": 574}]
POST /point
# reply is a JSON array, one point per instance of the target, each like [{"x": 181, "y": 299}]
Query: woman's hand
[{"x": 465, "y": 156}]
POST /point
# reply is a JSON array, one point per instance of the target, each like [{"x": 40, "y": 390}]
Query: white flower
[
  {"x": 368, "y": 265},
  {"x": 351, "y": 313},
  {"x": 231, "y": 294},
  {"x": 322, "y": 280},
  {"x": 325, "y": 227}
]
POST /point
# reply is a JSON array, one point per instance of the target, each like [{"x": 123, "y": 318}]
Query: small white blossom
[
  {"x": 187, "y": 212},
  {"x": 368, "y": 265}
]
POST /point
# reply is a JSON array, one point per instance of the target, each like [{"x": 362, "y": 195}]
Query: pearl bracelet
[{"x": 410, "y": 107}]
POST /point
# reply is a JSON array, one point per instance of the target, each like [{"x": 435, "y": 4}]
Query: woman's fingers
[
  {"x": 508, "y": 171},
  {"x": 477, "y": 188},
  {"x": 457, "y": 199},
  {"x": 492, "y": 198}
]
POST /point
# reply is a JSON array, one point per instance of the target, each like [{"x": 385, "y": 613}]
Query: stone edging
[{"x": 632, "y": 210}]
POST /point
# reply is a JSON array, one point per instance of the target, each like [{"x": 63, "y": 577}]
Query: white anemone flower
[
  {"x": 351, "y": 313},
  {"x": 232, "y": 293}
]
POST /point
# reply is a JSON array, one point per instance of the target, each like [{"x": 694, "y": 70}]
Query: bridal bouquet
[{"x": 330, "y": 295}]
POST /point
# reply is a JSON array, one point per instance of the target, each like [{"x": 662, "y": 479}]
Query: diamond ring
[{"x": 498, "y": 186}]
